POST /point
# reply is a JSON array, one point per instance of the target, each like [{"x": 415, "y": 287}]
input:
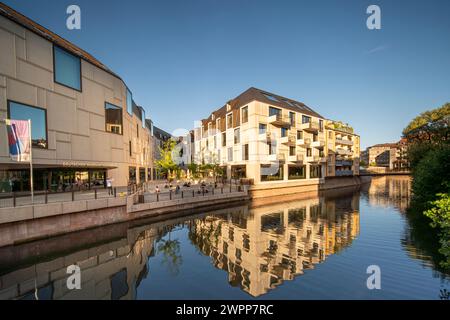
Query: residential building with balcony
[
  {"x": 268, "y": 138},
  {"x": 342, "y": 149},
  {"x": 86, "y": 127},
  {"x": 388, "y": 155}
]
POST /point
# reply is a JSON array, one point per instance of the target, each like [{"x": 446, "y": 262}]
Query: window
[
  {"x": 330, "y": 134},
  {"x": 306, "y": 119},
  {"x": 218, "y": 125},
  {"x": 113, "y": 118},
  {"x": 237, "y": 136},
  {"x": 67, "y": 68},
  {"x": 129, "y": 102},
  {"x": 292, "y": 118},
  {"x": 129, "y": 147},
  {"x": 143, "y": 117},
  {"x": 308, "y": 152},
  {"x": 299, "y": 135},
  {"x": 38, "y": 117},
  {"x": 321, "y": 125},
  {"x": 292, "y": 150},
  {"x": 141, "y": 175},
  {"x": 262, "y": 128},
  {"x": 230, "y": 154},
  {"x": 315, "y": 137},
  {"x": 274, "y": 111},
  {"x": 215, "y": 142},
  {"x": 132, "y": 174},
  {"x": 296, "y": 172},
  {"x": 270, "y": 97},
  {"x": 224, "y": 139},
  {"x": 315, "y": 172},
  {"x": 245, "y": 114},
  {"x": 229, "y": 120},
  {"x": 271, "y": 172},
  {"x": 137, "y": 130},
  {"x": 283, "y": 132},
  {"x": 245, "y": 152}
]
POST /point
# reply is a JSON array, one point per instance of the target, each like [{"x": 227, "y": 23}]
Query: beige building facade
[
  {"x": 86, "y": 128},
  {"x": 273, "y": 139}
]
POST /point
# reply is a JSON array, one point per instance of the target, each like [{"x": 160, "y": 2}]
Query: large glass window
[
  {"x": 292, "y": 118},
  {"x": 132, "y": 175},
  {"x": 292, "y": 150},
  {"x": 299, "y": 135},
  {"x": 113, "y": 118},
  {"x": 315, "y": 172},
  {"x": 297, "y": 172},
  {"x": 306, "y": 119},
  {"x": 224, "y": 139},
  {"x": 237, "y": 136},
  {"x": 143, "y": 117},
  {"x": 272, "y": 172},
  {"x": 262, "y": 128},
  {"x": 245, "y": 114},
  {"x": 283, "y": 132},
  {"x": 245, "y": 152},
  {"x": 38, "y": 117},
  {"x": 129, "y": 102},
  {"x": 141, "y": 175},
  {"x": 229, "y": 120},
  {"x": 274, "y": 111},
  {"x": 230, "y": 154},
  {"x": 67, "y": 68}
]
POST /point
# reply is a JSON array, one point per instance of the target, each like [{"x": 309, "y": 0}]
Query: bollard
[
  {"x": 203, "y": 191},
  {"x": 212, "y": 191},
  {"x": 182, "y": 194},
  {"x": 73, "y": 195},
  {"x": 95, "y": 194},
  {"x": 221, "y": 189},
  {"x": 193, "y": 194},
  {"x": 170, "y": 195},
  {"x": 157, "y": 197},
  {"x": 115, "y": 192},
  {"x": 14, "y": 199},
  {"x": 46, "y": 196}
]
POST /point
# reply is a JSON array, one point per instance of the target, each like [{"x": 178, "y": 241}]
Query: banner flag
[{"x": 19, "y": 140}]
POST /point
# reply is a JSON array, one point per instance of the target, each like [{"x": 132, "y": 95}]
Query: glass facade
[
  {"x": 38, "y": 117},
  {"x": 67, "y": 68},
  {"x": 315, "y": 172},
  {"x": 244, "y": 114},
  {"x": 272, "y": 172},
  {"x": 274, "y": 111},
  {"x": 262, "y": 128},
  {"x": 297, "y": 172},
  {"x": 113, "y": 118},
  {"x": 129, "y": 102},
  {"x": 306, "y": 119}
]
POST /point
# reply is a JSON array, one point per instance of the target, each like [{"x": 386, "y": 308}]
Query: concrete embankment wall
[{"x": 21, "y": 224}]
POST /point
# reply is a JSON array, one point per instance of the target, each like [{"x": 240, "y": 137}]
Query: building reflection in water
[
  {"x": 258, "y": 247},
  {"x": 262, "y": 247},
  {"x": 387, "y": 191}
]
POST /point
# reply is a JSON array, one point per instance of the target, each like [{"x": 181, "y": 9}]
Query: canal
[{"x": 317, "y": 248}]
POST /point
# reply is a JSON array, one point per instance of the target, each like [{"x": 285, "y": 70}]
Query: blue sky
[{"x": 183, "y": 59}]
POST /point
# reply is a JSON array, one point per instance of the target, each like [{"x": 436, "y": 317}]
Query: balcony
[
  {"x": 344, "y": 163},
  {"x": 304, "y": 142},
  {"x": 344, "y": 142},
  {"x": 318, "y": 144},
  {"x": 344, "y": 152},
  {"x": 290, "y": 139},
  {"x": 279, "y": 120},
  {"x": 276, "y": 157},
  {"x": 316, "y": 159},
  {"x": 340, "y": 173},
  {"x": 312, "y": 126},
  {"x": 265, "y": 136},
  {"x": 296, "y": 158}
]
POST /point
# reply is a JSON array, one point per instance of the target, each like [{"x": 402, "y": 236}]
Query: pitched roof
[
  {"x": 161, "y": 134},
  {"x": 33, "y": 26},
  {"x": 275, "y": 100}
]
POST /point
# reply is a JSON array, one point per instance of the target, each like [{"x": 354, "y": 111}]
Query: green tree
[{"x": 165, "y": 163}]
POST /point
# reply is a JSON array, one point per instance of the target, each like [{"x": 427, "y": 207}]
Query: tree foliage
[
  {"x": 430, "y": 126},
  {"x": 166, "y": 164}
]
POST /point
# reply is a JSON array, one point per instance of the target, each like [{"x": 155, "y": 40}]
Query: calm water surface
[{"x": 317, "y": 248}]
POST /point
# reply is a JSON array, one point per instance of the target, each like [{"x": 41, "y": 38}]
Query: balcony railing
[
  {"x": 290, "y": 139},
  {"x": 279, "y": 120},
  {"x": 318, "y": 144},
  {"x": 344, "y": 172},
  {"x": 296, "y": 158},
  {"x": 276, "y": 157},
  {"x": 344, "y": 152},
  {"x": 344, "y": 163},
  {"x": 344, "y": 142},
  {"x": 311, "y": 126}
]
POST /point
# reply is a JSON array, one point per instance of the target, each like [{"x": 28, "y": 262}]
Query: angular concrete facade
[{"x": 75, "y": 119}]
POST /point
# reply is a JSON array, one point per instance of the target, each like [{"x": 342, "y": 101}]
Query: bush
[
  {"x": 432, "y": 174},
  {"x": 439, "y": 213}
]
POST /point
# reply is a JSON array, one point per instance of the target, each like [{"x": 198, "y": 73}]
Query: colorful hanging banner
[{"x": 19, "y": 140}]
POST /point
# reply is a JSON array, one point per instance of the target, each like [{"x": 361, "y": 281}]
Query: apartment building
[
  {"x": 270, "y": 138},
  {"x": 389, "y": 155},
  {"x": 342, "y": 149},
  {"x": 86, "y": 127}
]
